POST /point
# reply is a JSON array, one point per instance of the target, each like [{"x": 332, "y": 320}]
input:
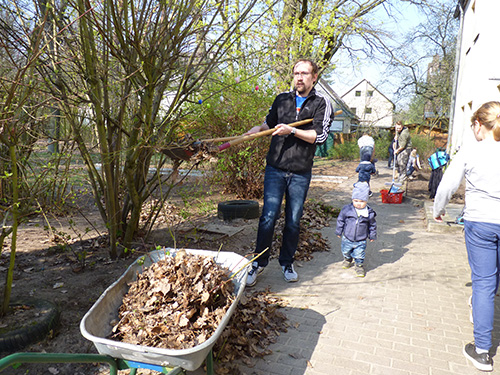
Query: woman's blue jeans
[
  {"x": 294, "y": 187},
  {"x": 483, "y": 250}
]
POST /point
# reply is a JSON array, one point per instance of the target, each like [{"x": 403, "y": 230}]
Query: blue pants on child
[
  {"x": 353, "y": 249},
  {"x": 483, "y": 250}
]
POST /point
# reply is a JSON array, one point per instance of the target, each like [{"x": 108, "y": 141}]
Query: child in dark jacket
[
  {"x": 365, "y": 170},
  {"x": 355, "y": 224}
]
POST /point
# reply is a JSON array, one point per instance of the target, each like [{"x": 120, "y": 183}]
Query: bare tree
[
  {"x": 425, "y": 63},
  {"x": 319, "y": 29},
  {"x": 128, "y": 69},
  {"x": 20, "y": 103}
]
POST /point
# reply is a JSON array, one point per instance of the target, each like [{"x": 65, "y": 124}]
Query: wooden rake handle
[
  {"x": 263, "y": 133},
  {"x": 222, "y": 139}
]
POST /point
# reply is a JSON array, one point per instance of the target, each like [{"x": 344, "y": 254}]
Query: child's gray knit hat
[{"x": 361, "y": 191}]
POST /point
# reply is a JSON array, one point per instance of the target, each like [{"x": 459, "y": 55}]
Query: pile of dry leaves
[
  {"x": 255, "y": 324},
  {"x": 176, "y": 303}
]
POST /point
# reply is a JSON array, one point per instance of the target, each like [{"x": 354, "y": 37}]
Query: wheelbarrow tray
[{"x": 96, "y": 324}]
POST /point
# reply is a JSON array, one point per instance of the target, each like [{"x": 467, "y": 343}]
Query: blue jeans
[
  {"x": 391, "y": 156},
  {"x": 276, "y": 184},
  {"x": 353, "y": 249},
  {"x": 483, "y": 250}
]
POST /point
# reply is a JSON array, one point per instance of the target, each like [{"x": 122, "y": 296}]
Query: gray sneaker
[
  {"x": 253, "y": 273},
  {"x": 360, "y": 270},
  {"x": 347, "y": 263},
  {"x": 482, "y": 361},
  {"x": 289, "y": 273}
]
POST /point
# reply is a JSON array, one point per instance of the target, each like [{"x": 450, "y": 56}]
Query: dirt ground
[{"x": 75, "y": 276}]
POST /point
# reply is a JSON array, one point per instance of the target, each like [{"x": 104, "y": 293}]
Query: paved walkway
[{"x": 409, "y": 315}]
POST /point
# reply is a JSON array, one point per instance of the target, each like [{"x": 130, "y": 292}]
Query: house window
[
  {"x": 369, "y": 93},
  {"x": 358, "y": 93},
  {"x": 368, "y": 110},
  {"x": 353, "y": 110}
]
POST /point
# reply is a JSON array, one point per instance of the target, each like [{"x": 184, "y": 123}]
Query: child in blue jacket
[
  {"x": 365, "y": 170},
  {"x": 355, "y": 224}
]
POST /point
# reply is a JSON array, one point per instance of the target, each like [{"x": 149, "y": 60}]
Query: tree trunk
[{"x": 15, "y": 223}]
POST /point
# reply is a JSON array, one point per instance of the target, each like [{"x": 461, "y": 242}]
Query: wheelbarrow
[
  {"x": 186, "y": 153},
  {"x": 96, "y": 327}
]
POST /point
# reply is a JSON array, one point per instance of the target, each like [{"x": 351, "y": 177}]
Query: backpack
[{"x": 438, "y": 159}]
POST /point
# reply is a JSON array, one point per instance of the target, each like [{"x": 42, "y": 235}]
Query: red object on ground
[{"x": 391, "y": 197}]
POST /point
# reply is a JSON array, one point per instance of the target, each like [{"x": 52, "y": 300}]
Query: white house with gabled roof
[
  {"x": 344, "y": 122},
  {"x": 372, "y": 107}
]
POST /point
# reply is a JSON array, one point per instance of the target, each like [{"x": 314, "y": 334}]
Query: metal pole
[{"x": 58, "y": 358}]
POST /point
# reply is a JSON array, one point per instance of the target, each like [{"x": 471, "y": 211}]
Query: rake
[{"x": 394, "y": 185}]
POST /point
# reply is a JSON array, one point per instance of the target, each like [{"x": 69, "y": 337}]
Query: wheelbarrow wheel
[
  {"x": 245, "y": 209},
  {"x": 31, "y": 332}
]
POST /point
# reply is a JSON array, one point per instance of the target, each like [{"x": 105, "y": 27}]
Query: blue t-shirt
[{"x": 299, "y": 100}]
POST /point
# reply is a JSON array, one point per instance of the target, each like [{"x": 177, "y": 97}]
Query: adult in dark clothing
[
  {"x": 436, "y": 176},
  {"x": 289, "y": 164},
  {"x": 391, "y": 153},
  {"x": 402, "y": 149}
]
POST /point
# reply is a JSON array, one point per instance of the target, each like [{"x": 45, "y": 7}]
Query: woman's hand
[{"x": 439, "y": 219}]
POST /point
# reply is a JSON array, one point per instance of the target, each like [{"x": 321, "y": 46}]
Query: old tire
[
  {"x": 244, "y": 209},
  {"x": 11, "y": 341}
]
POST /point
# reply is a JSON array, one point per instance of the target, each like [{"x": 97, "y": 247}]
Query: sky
[{"x": 345, "y": 77}]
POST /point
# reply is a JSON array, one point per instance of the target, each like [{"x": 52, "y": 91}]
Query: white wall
[
  {"x": 479, "y": 70},
  {"x": 381, "y": 108}
]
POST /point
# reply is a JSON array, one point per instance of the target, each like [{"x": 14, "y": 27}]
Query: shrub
[
  {"x": 425, "y": 146},
  {"x": 346, "y": 151},
  {"x": 233, "y": 104},
  {"x": 382, "y": 143},
  {"x": 350, "y": 150}
]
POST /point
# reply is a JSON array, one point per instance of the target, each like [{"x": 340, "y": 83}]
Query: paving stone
[{"x": 408, "y": 316}]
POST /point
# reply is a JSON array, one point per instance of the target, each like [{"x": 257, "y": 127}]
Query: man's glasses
[{"x": 301, "y": 74}]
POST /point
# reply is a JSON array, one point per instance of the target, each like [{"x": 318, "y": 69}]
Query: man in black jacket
[{"x": 289, "y": 164}]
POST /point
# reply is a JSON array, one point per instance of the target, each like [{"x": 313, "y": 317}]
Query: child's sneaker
[
  {"x": 360, "y": 270},
  {"x": 289, "y": 273},
  {"x": 253, "y": 273},
  {"x": 347, "y": 263}
]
